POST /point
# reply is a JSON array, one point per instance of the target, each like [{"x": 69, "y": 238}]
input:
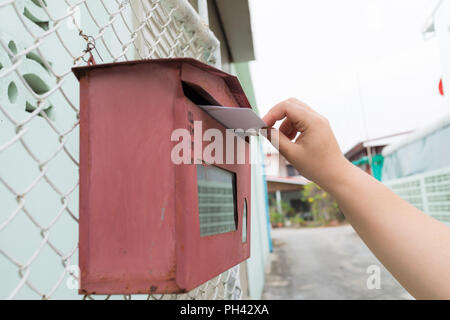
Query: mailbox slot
[{"x": 198, "y": 95}]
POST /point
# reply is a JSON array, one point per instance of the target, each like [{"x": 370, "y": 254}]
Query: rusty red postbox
[{"x": 148, "y": 225}]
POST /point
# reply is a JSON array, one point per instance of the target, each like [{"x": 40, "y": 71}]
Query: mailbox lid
[{"x": 231, "y": 81}]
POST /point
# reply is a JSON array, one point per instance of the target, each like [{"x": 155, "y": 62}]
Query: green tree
[{"x": 323, "y": 207}]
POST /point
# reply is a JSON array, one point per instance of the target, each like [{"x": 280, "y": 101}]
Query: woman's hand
[{"x": 315, "y": 153}]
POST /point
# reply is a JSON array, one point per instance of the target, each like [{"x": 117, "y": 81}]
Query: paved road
[{"x": 324, "y": 263}]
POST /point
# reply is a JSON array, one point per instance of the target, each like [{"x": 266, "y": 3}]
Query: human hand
[{"x": 315, "y": 153}]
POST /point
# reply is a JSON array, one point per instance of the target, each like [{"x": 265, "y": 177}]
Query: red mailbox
[{"x": 148, "y": 225}]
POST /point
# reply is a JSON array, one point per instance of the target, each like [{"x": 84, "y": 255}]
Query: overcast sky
[{"x": 316, "y": 50}]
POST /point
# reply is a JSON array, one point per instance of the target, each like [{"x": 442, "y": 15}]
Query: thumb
[{"x": 282, "y": 143}]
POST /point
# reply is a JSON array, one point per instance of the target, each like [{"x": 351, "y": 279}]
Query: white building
[{"x": 417, "y": 168}]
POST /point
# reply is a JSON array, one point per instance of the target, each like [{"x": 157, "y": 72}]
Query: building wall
[
  {"x": 260, "y": 227},
  {"x": 276, "y": 165},
  {"x": 216, "y": 27}
]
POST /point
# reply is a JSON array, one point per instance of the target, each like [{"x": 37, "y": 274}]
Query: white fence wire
[{"x": 40, "y": 41}]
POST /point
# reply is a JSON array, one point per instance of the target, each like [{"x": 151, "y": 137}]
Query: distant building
[
  {"x": 277, "y": 165},
  {"x": 284, "y": 184},
  {"x": 417, "y": 168},
  {"x": 368, "y": 154}
]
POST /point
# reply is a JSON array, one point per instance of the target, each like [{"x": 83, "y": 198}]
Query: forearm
[{"x": 414, "y": 247}]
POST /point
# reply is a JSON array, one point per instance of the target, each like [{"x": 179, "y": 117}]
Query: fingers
[
  {"x": 296, "y": 111},
  {"x": 288, "y": 129},
  {"x": 300, "y": 103},
  {"x": 297, "y": 118},
  {"x": 278, "y": 112},
  {"x": 282, "y": 143}
]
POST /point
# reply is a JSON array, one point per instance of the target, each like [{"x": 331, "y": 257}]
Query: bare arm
[{"x": 414, "y": 247}]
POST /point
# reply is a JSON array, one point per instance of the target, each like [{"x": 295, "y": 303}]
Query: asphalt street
[{"x": 325, "y": 263}]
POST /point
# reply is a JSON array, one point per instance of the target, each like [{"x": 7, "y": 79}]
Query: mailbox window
[{"x": 216, "y": 200}]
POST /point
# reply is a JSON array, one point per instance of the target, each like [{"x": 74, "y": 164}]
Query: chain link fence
[{"x": 40, "y": 41}]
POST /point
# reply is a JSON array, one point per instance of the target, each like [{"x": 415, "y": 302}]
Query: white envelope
[{"x": 235, "y": 118}]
